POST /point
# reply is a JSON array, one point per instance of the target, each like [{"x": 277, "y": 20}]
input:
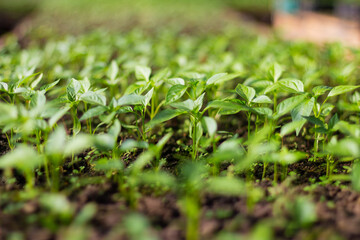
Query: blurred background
[{"x": 311, "y": 20}]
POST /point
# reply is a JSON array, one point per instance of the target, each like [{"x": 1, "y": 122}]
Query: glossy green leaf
[
  {"x": 187, "y": 105},
  {"x": 291, "y": 127},
  {"x": 93, "y": 112},
  {"x": 247, "y": 93},
  {"x": 320, "y": 90},
  {"x": 210, "y": 125},
  {"x": 93, "y": 98},
  {"x": 175, "y": 93},
  {"x": 199, "y": 102},
  {"x": 73, "y": 89},
  {"x": 161, "y": 75},
  {"x": 131, "y": 99},
  {"x": 113, "y": 71},
  {"x": 275, "y": 72},
  {"x": 4, "y": 87},
  {"x": 49, "y": 86},
  {"x": 288, "y": 104},
  {"x": 142, "y": 73},
  {"x": 36, "y": 81},
  {"x": 314, "y": 120},
  {"x": 305, "y": 108},
  {"x": 341, "y": 89},
  {"x": 164, "y": 116},
  {"x": 58, "y": 115},
  {"x": 148, "y": 97},
  {"x": 292, "y": 85},
  {"x": 226, "y": 105},
  {"x": 262, "y": 99},
  {"x": 78, "y": 144}
]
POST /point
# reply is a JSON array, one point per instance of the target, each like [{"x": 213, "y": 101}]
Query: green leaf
[
  {"x": 290, "y": 127},
  {"x": 158, "y": 179},
  {"x": 93, "y": 98},
  {"x": 347, "y": 147},
  {"x": 78, "y": 144},
  {"x": 226, "y": 186},
  {"x": 130, "y": 144},
  {"x": 314, "y": 120},
  {"x": 93, "y": 112},
  {"x": 85, "y": 85},
  {"x": 125, "y": 109},
  {"x": 59, "y": 114},
  {"x": 161, "y": 143},
  {"x": 36, "y": 81},
  {"x": 56, "y": 142},
  {"x": 115, "y": 129},
  {"x": 106, "y": 164},
  {"x": 288, "y": 104},
  {"x": 199, "y": 131},
  {"x": 84, "y": 216},
  {"x": 275, "y": 72},
  {"x": 320, "y": 90},
  {"x": 347, "y": 128},
  {"x": 271, "y": 88},
  {"x": 131, "y": 99},
  {"x": 161, "y": 75},
  {"x": 38, "y": 100},
  {"x": 304, "y": 212},
  {"x": 58, "y": 205},
  {"x": 303, "y": 109},
  {"x": 221, "y": 77},
  {"x": 210, "y": 125},
  {"x": 199, "y": 102},
  {"x": 73, "y": 89},
  {"x": 142, "y": 73},
  {"x": 262, "y": 111},
  {"x": 355, "y": 176},
  {"x": 326, "y": 109},
  {"x": 175, "y": 93},
  {"x": 187, "y": 105},
  {"x": 175, "y": 81},
  {"x": 292, "y": 85},
  {"x": 4, "y": 87},
  {"x": 247, "y": 93},
  {"x": 262, "y": 99},
  {"x": 341, "y": 89},
  {"x": 333, "y": 121},
  {"x": 227, "y": 106},
  {"x": 148, "y": 97},
  {"x": 113, "y": 71},
  {"x": 142, "y": 160},
  {"x": 215, "y": 78},
  {"x": 228, "y": 150},
  {"x": 164, "y": 116},
  {"x": 47, "y": 87},
  {"x": 23, "y": 158}
]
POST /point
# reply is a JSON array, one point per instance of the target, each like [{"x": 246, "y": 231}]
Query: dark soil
[
  {"x": 337, "y": 208},
  {"x": 338, "y": 214}
]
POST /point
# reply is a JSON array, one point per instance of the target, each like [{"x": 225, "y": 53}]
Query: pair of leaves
[
  {"x": 142, "y": 73},
  {"x": 248, "y": 94},
  {"x": 338, "y": 90}
]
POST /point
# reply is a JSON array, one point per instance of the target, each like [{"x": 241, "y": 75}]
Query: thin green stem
[
  {"x": 249, "y": 123},
  {"x": 264, "y": 170},
  {"x": 275, "y": 172},
  {"x": 194, "y": 138}
]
